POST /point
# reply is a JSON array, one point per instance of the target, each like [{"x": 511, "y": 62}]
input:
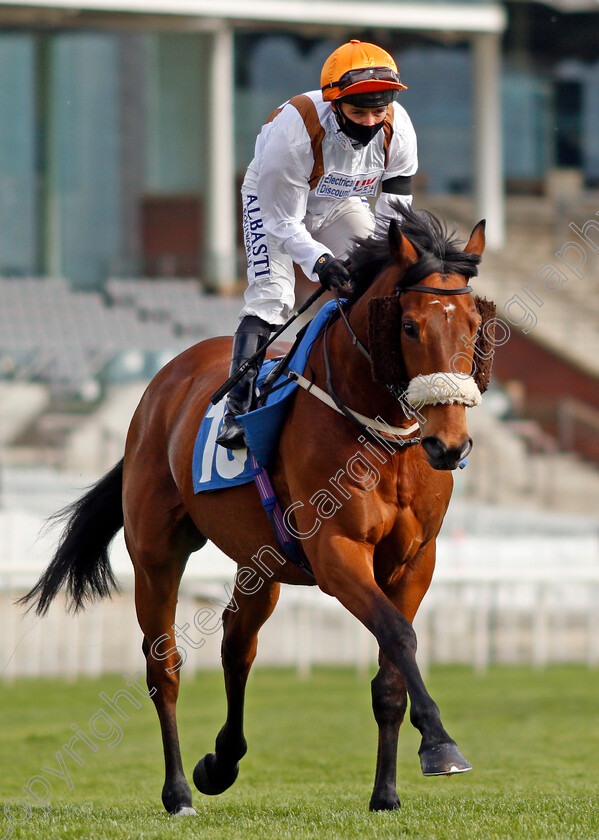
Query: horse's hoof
[
  {"x": 209, "y": 780},
  {"x": 443, "y": 760},
  {"x": 186, "y": 811},
  {"x": 382, "y": 803}
]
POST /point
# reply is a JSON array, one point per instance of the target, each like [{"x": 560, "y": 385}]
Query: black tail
[{"x": 81, "y": 559}]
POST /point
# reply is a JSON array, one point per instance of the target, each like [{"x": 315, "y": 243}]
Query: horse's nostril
[
  {"x": 434, "y": 447},
  {"x": 443, "y": 458}
]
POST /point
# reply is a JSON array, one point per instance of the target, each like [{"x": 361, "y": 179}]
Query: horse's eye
[{"x": 410, "y": 329}]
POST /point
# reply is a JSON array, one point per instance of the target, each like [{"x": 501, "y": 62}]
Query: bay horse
[{"x": 374, "y": 552}]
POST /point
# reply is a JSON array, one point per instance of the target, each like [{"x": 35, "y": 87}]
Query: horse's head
[{"x": 423, "y": 330}]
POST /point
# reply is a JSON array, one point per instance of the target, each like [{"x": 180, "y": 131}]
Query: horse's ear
[
  {"x": 395, "y": 238},
  {"x": 402, "y": 251},
  {"x": 476, "y": 243}
]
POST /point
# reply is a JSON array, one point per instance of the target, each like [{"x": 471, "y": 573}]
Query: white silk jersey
[{"x": 304, "y": 165}]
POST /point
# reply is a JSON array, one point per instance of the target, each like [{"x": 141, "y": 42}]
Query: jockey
[{"x": 305, "y": 195}]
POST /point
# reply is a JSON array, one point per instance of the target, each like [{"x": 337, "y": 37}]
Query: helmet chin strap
[{"x": 360, "y": 133}]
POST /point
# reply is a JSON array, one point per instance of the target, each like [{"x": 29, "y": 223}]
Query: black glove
[{"x": 331, "y": 272}]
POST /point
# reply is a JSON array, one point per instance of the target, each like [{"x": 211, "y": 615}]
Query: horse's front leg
[
  {"x": 389, "y": 696},
  {"x": 389, "y": 701},
  {"x": 243, "y": 618},
  {"x": 344, "y": 569}
]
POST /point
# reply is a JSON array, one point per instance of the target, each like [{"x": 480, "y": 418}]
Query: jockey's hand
[{"x": 331, "y": 272}]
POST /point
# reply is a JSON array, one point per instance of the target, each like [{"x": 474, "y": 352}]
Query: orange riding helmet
[{"x": 359, "y": 68}]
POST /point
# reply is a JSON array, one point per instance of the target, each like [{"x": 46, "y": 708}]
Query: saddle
[{"x": 213, "y": 466}]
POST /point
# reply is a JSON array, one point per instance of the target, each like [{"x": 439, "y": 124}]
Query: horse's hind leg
[
  {"x": 156, "y": 598},
  {"x": 243, "y": 618},
  {"x": 159, "y": 559}
]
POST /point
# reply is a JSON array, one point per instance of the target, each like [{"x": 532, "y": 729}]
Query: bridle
[
  {"x": 431, "y": 290},
  {"x": 435, "y": 290},
  {"x": 378, "y": 429},
  {"x": 399, "y": 438}
]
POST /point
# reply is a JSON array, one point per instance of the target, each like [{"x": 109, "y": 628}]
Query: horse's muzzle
[{"x": 440, "y": 457}]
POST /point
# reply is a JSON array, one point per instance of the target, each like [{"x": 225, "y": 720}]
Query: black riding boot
[{"x": 252, "y": 334}]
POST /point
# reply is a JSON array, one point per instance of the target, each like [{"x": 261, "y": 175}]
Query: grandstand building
[
  {"x": 126, "y": 124},
  {"x": 126, "y": 127}
]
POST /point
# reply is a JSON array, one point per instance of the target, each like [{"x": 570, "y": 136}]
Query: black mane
[{"x": 438, "y": 249}]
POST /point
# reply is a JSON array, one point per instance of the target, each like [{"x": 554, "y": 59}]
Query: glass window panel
[
  {"x": 17, "y": 155},
  {"x": 84, "y": 147}
]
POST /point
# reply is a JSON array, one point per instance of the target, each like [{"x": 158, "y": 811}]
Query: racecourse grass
[{"x": 533, "y": 738}]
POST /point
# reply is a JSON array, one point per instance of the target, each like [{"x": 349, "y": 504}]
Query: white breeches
[{"x": 271, "y": 281}]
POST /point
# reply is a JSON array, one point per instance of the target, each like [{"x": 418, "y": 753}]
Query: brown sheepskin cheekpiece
[
  {"x": 484, "y": 349},
  {"x": 384, "y": 340}
]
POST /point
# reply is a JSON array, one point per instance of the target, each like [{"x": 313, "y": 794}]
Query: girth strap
[{"x": 287, "y": 542}]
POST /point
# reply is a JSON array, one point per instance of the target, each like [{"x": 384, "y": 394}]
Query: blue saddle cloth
[{"x": 213, "y": 466}]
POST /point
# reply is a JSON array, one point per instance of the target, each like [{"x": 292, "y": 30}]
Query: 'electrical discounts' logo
[{"x": 338, "y": 185}]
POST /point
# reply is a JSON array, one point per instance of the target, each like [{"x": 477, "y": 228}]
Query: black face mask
[{"x": 362, "y": 134}]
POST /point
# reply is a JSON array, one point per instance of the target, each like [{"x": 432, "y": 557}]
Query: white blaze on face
[{"x": 447, "y": 309}]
